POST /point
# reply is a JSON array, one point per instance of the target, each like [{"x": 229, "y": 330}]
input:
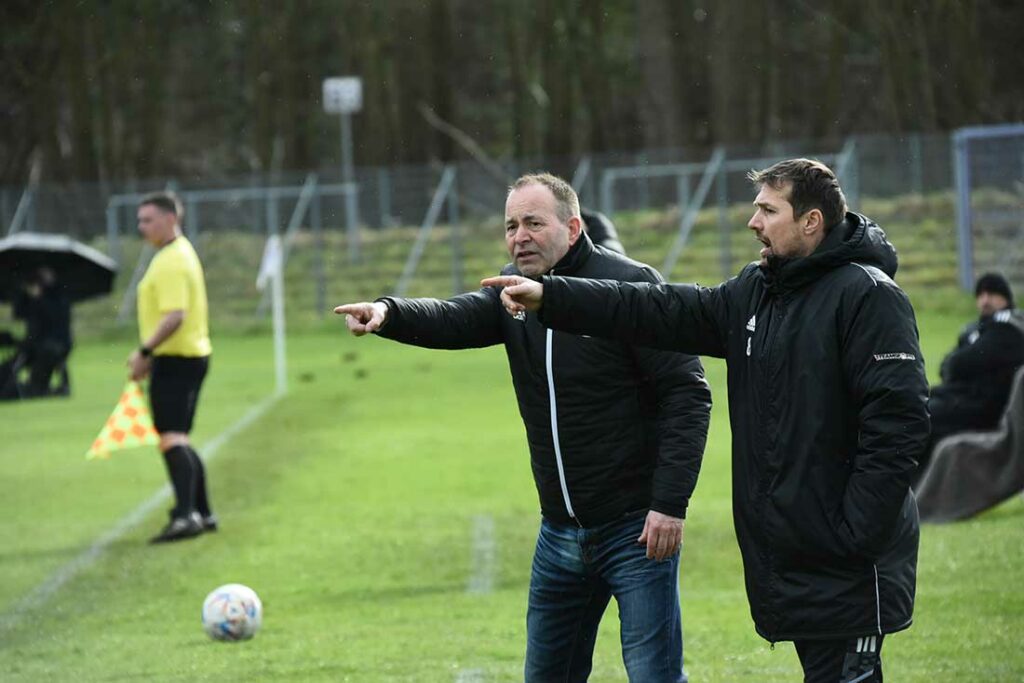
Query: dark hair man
[
  {"x": 977, "y": 374},
  {"x": 175, "y": 352},
  {"x": 827, "y": 403},
  {"x": 616, "y": 436}
]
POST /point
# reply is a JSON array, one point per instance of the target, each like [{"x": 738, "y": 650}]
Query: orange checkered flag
[{"x": 130, "y": 425}]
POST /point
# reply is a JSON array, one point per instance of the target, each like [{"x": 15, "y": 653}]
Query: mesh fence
[{"x": 435, "y": 242}]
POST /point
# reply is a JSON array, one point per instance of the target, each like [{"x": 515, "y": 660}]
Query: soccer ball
[{"x": 232, "y": 612}]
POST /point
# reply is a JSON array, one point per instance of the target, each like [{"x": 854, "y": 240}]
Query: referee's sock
[
  {"x": 182, "y": 472},
  {"x": 202, "y": 501}
]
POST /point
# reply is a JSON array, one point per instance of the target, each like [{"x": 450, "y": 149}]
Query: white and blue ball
[{"x": 232, "y": 612}]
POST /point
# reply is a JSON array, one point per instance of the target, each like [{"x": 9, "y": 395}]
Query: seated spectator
[
  {"x": 977, "y": 374},
  {"x": 46, "y": 312}
]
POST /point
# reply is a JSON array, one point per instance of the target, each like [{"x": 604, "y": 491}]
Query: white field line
[
  {"x": 481, "y": 577},
  {"x": 470, "y": 676},
  {"x": 44, "y": 591}
]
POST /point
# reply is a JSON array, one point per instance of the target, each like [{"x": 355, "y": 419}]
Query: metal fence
[{"x": 418, "y": 197}]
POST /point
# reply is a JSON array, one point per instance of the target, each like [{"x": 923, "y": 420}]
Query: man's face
[
  {"x": 536, "y": 237},
  {"x": 990, "y": 302},
  {"x": 155, "y": 225},
  {"x": 774, "y": 225}
]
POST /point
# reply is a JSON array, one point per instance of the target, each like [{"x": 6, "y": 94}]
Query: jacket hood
[{"x": 857, "y": 239}]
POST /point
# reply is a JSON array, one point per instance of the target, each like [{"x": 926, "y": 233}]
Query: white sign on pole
[{"x": 343, "y": 95}]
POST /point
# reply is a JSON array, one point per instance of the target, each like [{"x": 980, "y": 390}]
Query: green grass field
[{"x": 350, "y": 508}]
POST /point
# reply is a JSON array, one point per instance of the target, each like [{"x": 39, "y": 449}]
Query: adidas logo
[{"x": 752, "y": 323}]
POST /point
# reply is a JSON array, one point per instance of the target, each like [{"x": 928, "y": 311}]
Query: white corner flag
[{"x": 272, "y": 268}]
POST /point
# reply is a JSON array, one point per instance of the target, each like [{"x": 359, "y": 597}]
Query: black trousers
[{"x": 857, "y": 660}]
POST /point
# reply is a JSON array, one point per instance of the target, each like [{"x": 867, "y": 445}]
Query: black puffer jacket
[
  {"x": 977, "y": 375},
  {"x": 827, "y": 400},
  {"x": 629, "y": 423}
]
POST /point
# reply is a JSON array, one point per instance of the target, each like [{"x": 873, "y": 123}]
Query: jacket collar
[{"x": 575, "y": 257}]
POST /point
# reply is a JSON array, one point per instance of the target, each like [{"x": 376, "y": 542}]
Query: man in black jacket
[
  {"x": 828, "y": 407},
  {"x": 977, "y": 374},
  {"x": 616, "y": 436}
]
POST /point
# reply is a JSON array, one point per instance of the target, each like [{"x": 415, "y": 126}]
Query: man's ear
[
  {"x": 575, "y": 228},
  {"x": 814, "y": 221}
]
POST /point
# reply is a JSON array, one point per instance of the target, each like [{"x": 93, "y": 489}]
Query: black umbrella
[{"x": 81, "y": 271}]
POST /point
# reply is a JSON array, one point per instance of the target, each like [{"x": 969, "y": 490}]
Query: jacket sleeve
[
  {"x": 884, "y": 370},
  {"x": 687, "y": 318},
  {"x": 683, "y": 409},
  {"x": 465, "y": 321},
  {"x": 1000, "y": 347}
]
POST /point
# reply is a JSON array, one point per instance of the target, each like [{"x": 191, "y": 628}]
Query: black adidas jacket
[
  {"x": 828, "y": 405},
  {"x": 612, "y": 428},
  {"x": 979, "y": 371}
]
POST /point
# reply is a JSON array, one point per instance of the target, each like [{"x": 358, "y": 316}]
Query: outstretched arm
[
  {"x": 686, "y": 318},
  {"x": 465, "y": 321}
]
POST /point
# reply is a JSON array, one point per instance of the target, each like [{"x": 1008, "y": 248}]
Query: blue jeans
[{"x": 575, "y": 572}]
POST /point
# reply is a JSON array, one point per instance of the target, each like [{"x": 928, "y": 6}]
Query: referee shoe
[{"x": 180, "y": 527}]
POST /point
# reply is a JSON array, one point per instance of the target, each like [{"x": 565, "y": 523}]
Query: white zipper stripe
[
  {"x": 878, "y": 602},
  {"x": 554, "y": 424}
]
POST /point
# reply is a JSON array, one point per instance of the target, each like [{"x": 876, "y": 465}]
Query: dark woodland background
[{"x": 118, "y": 90}]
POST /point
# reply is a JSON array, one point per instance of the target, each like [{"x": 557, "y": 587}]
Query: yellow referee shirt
[{"x": 173, "y": 282}]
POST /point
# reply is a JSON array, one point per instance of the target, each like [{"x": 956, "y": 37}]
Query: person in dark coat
[
  {"x": 616, "y": 436},
  {"x": 46, "y": 311},
  {"x": 977, "y": 374},
  {"x": 827, "y": 403},
  {"x": 601, "y": 230}
]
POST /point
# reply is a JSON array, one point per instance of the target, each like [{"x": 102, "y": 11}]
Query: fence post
[
  {"x": 191, "y": 217},
  {"x": 689, "y": 217},
  {"x": 384, "y": 196},
  {"x": 113, "y": 232},
  {"x": 724, "y": 229},
  {"x": 962, "y": 176},
  {"x": 607, "y": 200},
  {"x": 315, "y": 218},
  {"x": 846, "y": 171},
  {"x": 412, "y": 262}
]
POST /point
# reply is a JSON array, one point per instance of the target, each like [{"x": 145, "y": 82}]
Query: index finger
[
  {"x": 502, "y": 281},
  {"x": 349, "y": 309}
]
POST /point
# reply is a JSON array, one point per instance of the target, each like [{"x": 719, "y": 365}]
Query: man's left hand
[{"x": 662, "y": 534}]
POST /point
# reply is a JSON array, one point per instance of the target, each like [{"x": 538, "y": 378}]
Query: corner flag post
[{"x": 271, "y": 268}]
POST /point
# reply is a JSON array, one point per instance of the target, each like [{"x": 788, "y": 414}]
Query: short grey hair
[{"x": 566, "y": 201}]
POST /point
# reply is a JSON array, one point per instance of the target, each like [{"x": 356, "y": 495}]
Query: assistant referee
[{"x": 175, "y": 354}]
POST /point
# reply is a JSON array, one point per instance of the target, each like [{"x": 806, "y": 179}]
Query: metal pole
[
  {"x": 384, "y": 196},
  {"x": 725, "y": 246},
  {"x": 277, "y": 295},
  {"x": 916, "y": 182},
  {"x": 113, "y": 232},
  {"x": 191, "y": 219},
  {"x": 351, "y": 198},
  {"x": 320, "y": 305},
  {"x": 456, "y": 234},
  {"x": 962, "y": 174}
]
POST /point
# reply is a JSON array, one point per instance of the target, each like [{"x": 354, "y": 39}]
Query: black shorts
[{"x": 174, "y": 383}]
